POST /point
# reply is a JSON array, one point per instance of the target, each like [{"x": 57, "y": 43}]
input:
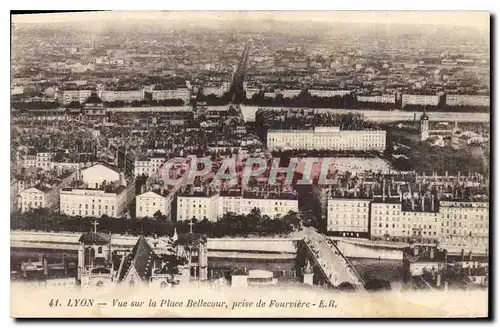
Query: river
[
  {"x": 391, "y": 270},
  {"x": 387, "y": 116}
]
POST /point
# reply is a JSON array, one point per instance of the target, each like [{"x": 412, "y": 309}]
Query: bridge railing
[{"x": 347, "y": 261}]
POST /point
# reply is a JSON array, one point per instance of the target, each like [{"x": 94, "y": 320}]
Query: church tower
[
  {"x": 424, "y": 126},
  {"x": 95, "y": 263}
]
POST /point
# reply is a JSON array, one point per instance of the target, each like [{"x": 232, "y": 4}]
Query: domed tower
[{"x": 424, "y": 126}]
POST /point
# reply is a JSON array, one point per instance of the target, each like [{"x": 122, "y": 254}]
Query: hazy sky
[{"x": 476, "y": 19}]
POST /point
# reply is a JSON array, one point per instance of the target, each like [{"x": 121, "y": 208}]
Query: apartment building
[
  {"x": 151, "y": 202},
  {"x": 102, "y": 190},
  {"x": 386, "y": 99},
  {"x": 148, "y": 165},
  {"x": 122, "y": 95},
  {"x": 200, "y": 205},
  {"x": 328, "y": 93},
  {"x": 348, "y": 217},
  {"x": 468, "y": 100},
  {"x": 180, "y": 93},
  {"x": 67, "y": 96},
  {"x": 420, "y": 100}
]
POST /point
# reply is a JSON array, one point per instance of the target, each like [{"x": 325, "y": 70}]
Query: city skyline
[
  {"x": 479, "y": 19},
  {"x": 314, "y": 151}
]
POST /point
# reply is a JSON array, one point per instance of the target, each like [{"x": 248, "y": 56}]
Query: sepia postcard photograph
[{"x": 250, "y": 164}]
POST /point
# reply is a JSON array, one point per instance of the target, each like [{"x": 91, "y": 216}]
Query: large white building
[
  {"x": 468, "y": 100},
  {"x": 420, "y": 100},
  {"x": 216, "y": 90},
  {"x": 251, "y": 91},
  {"x": 42, "y": 195},
  {"x": 289, "y": 93},
  {"x": 270, "y": 205},
  {"x": 455, "y": 225},
  {"x": 464, "y": 225},
  {"x": 180, "y": 93},
  {"x": 37, "y": 197},
  {"x": 67, "y": 96},
  {"x": 215, "y": 206},
  {"x": 327, "y": 138},
  {"x": 390, "y": 220},
  {"x": 328, "y": 93},
  {"x": 198, "y": 205},
  {"x": 148, "y": 166},
  {"x": 122, "y": 95},
  {"x": 103, "y": 191},
  {"x": 387, "y": 99},
  {"x": 28, "y": 160},
  {"x": 150, "y": 202},
  {"x": 348, "y": 217},
  {"x": 44, "y": 160}
]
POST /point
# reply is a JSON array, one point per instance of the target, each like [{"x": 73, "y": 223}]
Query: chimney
[
  {"x": 432, "y": 203},
  {"x": 400, "y": 196},
  {"x": 45, "y": 266},
  {"x": 383, "y": 190},
  {"x": 122, "y": 179},
  {"x": 422, "y": 200}
]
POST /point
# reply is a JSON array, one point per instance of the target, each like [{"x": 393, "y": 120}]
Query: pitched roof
[
  {"x": 191, "y": 238},
  {"x": 151, "y": 193},
  {"x": 141, "y": 259},
  {"x": 95, "y": 238}
]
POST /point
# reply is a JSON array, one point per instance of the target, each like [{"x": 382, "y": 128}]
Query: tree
[
  {"x": 346, "y": 286},
  {"x": 378, "y": 284}
]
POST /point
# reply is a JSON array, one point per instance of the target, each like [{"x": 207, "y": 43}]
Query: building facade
[
  {"x": 328, "y": 93},
  {"x": 289, "y": 93},
  {"x": 215, "y": 206},
  {"x": 468, "y": 100},
  {"x": 37, "y": 197},
  {"x": 327, "y": 138},
  {"x": 386, "y": 99},
  {"x": 180, "y": 93},
  {"x": 67, "y": 96},
  {"x": 151, "y": 202},
  {"x": 348, "y": 217},
  {"x": 95, "y": 203},
  {"x": 148, "y": 166},
  {"x": 420, "y": 100},
  {"x": 464, "y": 225},
  {"x": 198, "y": 207},
  {"x": 251, "y": 91},
  {"x": 122, "y": 95},
  {"x": 102, "y": 190}
]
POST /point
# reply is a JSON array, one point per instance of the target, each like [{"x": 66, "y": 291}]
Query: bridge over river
[
  {"x": 328, "y": 263},
  {"x": 328, "y": 258}
]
